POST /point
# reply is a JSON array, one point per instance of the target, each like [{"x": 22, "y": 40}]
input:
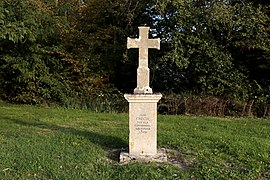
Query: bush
[{"x": 212, "y": 106}]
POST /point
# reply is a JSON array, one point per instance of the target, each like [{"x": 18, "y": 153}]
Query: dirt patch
[{"x": 174, "y": 157}]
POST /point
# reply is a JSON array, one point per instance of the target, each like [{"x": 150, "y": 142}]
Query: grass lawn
[{"x": 57, "y": 143}]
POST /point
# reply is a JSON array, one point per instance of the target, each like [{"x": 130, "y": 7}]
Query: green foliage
[
  {"x": 41, "y": 59},
  {"x": 98, "y": 35},
  {"x": 28, "y": 36},
  {"x": 209, "y": 42}
]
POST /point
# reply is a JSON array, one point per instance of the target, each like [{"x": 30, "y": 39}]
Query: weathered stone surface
[
  {"x": 159, "y": 157},
  {"x": 143, "y": 43},
  {"x": 143, "y": 81},
  {"x": 143, "y": 124}
]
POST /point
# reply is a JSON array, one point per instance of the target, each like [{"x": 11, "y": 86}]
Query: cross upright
[{"x": 143, "y": 43}]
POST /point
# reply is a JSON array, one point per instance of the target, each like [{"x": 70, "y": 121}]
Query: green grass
[{"x": 57, "y": 143}]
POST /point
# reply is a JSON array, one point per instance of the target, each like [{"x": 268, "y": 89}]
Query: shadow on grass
[{"x": 109, "y": 143}]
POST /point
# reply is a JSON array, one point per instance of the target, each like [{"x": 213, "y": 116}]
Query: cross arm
[
  {"x": 132, "y": 43},
  {"x": 154, "y": 43}
]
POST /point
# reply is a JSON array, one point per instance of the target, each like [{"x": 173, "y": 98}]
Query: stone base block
[{"x": 159, "y": 157}]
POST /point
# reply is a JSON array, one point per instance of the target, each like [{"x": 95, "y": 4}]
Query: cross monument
[{"x": 143, "y": 106}]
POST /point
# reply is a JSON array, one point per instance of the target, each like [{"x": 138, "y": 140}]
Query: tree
[
  {"x": 28, "y": 38},
  {"x": 97, "y": 34},
  {"x": 64, "y": 50},
  {"x": 206, "y": 41}
]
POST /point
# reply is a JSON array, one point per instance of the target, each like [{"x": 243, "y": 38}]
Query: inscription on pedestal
[{"x": 143, "y": 124}]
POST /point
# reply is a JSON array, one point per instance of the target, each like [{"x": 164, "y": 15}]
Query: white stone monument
[{"x": 142, "y": 106}]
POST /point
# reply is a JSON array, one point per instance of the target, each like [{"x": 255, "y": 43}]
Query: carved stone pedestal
[{"x": 143, "y": 124}]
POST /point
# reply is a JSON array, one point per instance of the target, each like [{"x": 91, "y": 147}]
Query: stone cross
[
  {"x": 143, "y": 43},
  {"x": 143, "y": 106}
]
